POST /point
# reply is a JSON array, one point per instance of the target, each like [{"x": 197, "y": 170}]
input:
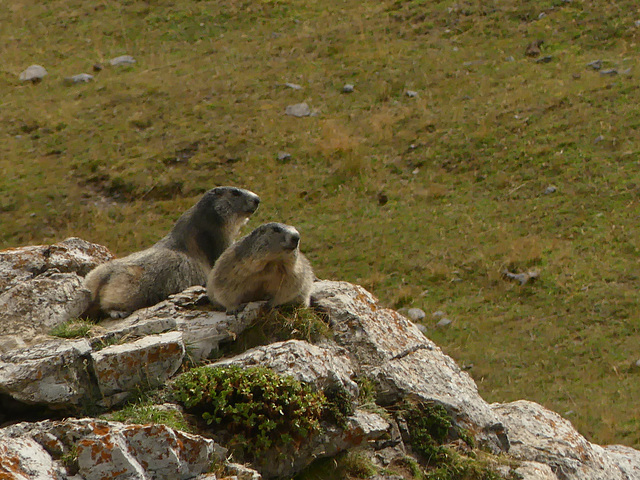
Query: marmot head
[
  {"x": 231, "y": 204},
  {"x": 271, "y": 239}
]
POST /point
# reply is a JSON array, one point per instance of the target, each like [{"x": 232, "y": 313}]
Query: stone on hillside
[
  {"x": 545, "y": 59},
  {"x": 52, "y": 373},
  {"x": 104, "y": 449},
  {"x": 26, "y": 459},
  {"x": 31, "y": 309},
  {"x": 595, "y": 65},
  {"x": 148, "y": 362},
  {"x": 80, "y": 78},
  {"x": 320, "y": 366},
  {"x": 71, "y": 255},
  {"x": 609, "y": 71},
  {"x": 530, "y": 471},
  {"x": 540, "y": 435},
  {"x": 298, "y": 110},
  {"x": 444, "y": 322},
  {"x": 293, "y": 86},
  {"x": 33, "y": 73},
  {"x": 416, "y": 314},
  {"x": 284, "y": 157},
  {"x": 122, "y": 60},
  {"x": 438, "y": 314},
  {"x": 550, "y": 189},
  {"x": 411, "y": 93},
  {"x": 348, "y": 88},
  {"x": 391, "y": 350},
  {"x": 241, "y": 472}
]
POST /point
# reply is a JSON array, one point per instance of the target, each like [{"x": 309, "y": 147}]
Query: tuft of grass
[{"x": 75, "y": 328}]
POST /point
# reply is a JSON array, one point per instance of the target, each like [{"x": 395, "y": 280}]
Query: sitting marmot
[
  {"x": 181, "y": 259},
  {"x": 264, "y": 265}
]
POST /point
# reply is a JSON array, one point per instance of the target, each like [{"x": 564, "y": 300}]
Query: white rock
[
  {"x": 416, "y": 314},
  {"x": 80, "y": 78},
  {"x": 298, "y": 110},
  {"x": 122, "y": 60},
  {"x": 33, "y": 73}
]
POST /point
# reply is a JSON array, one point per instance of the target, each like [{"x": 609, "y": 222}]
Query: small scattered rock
[
  {"x": 348, "y": 88},
  {"x": 637, "y": 23},
  {"x": 637, "y": 364},
  {"x": 550, "y": 189},
  {"x": 284, "y": 157},
  {"x": 542, "y": 15},
  {"x": 293, "y": 86},
  {"x": 416, "y": 314},
  {"x": 609, "y": 71},
  {"x": 598, "y": 139},
  {"x": 533, "y": 49},
  {"x": 411, "y": 93},
  {"x": 510, "y": 58},
  {"x": 33, "y": 73},
  {"x": 122, "y": 60},
  {"x": 444, "y": 322},
  {"x": 545, "y": 59},
  {"x": 298, "y": 110},
  {"x": 522, "y": 278},
  {"x": 596, "y": 64},
  {"x": 422, "y": 327},
  {"x": 438, "y": 314},
  {"x": 80, "y": 78},
  {"x": 97, "y": 67}
]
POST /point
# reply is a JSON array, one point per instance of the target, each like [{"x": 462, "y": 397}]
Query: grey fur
[
  {"x": 265, "y": 265},
  {"x": 181, "y": 259}
]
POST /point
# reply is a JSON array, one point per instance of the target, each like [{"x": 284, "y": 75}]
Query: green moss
[{"x": 259, "y": 409}]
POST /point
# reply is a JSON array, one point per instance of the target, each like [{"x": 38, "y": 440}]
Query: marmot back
[
  {"x": 181, "y": 259},
  {"x": 265, "y": 265}
]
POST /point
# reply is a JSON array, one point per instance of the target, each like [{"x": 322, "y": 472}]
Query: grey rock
[
  {"x": 122, "y": 60},
  {"x": 550, "y": 189},
  {"x": 80, "y": 78},
  {"x": 521, "y": 278},
  {"x": 609, "y": 71},
  {"x": 284, "y": 157},
  {"x": 411, "y": 93},
  {"x": 545, "y": 59},
  {"x": 510, "y": 58},
  {"x": 598, "y": 139},
  {"x": 348, "y": 88},
  {"x": 33, "y": 73},
  {"x": 416, "y": 314},
  {"x": 298, "y": 110},
  {"x": 293, "y": 86},
  {"x": 595, "y": 65},
  {"x": 444, "y": 322},
  {"x": 438, "y": 314},
  {"x": 422, "y": 328}
]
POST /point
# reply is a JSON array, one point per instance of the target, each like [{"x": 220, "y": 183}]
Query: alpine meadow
[{"x": 462, "y": 153}]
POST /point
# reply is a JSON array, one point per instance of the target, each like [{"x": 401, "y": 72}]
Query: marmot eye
[
  {"x": 277, "y": 229},
  {"x": 236, "y": 193}
]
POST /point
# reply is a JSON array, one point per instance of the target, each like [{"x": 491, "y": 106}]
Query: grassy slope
[{"x": 464, "y": 164}]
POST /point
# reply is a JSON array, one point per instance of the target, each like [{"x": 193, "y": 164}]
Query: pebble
[
  {"x": 298, "y": 110},
  {"x": 97, "y": 67},
  {"x": 80, "y": 78},
  {"x": 438, "y": 314},
  {"x": 510, "y": 58},
  {"x": 596, "y": 64},
  {"x": 444, "y": 322},
  {"x": 550, "y": 189},
  {"x": 416, "y": 314},
  {"x": 348, "y": 88},
  {"x": 637, "y": 23},
  {"x": 638, "y": 363},
  {"x": 33, "y": 73},
  {"x": 122, "y": 60},
  {"x": 598, "y": 139},
  {"x": 609, "y": 71},
  {"x": 294, "y": 86},
  {"x": 411, "y": 93},
  {"x": 421, "y": 327},
  {"x": 284, "y": 157},
  {"x": 545, "y": 59}
]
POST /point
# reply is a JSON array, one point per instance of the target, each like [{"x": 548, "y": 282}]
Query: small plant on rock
[{"x": 256, "y": 408}]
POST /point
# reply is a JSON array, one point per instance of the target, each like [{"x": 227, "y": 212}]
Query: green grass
[{"x": 464, "y": 164}]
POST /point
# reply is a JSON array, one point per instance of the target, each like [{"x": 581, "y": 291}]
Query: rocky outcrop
[{"x": 42, "y": 375}]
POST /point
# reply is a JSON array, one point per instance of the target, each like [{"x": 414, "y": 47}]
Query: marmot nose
[
  {"x": 253, "y": 204},
  {"x": 294, "y": 240}
]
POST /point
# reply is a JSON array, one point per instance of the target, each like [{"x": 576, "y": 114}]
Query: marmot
[
  {"x": 181, "y": 259},
  {"x": 265, "y": 265}
]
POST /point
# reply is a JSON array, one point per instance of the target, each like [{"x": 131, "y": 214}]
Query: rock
[
  {"x": 33, "y": 73},
  {"x": 284, "y": 157},
  {"x": 545, "y": 59},
  {"x": 32, "y": 308},
  {"x": 402, "y": 361},
  {"x": 321, "y": 367},
  {"x": 348, "y": 88},
  {"x": 598, "y": 139},
  {"x": 416, "y": 314},
  {"x": 438, "y": 314},
  {"x": 122, "y": 60},
  {"x": 595, "y": 65},
  {"x": 533, "y": 49},
  {"x": 293, "y": 86},
  {"x": 52, "y": 373},
  {"x": 609, "y": 71},
  {"x": 80, "y": 78},
  {"x": 540, "y": 435},
  {"x": 298, "y": 110},
  {"x": 71, "y": 255},
  {"x": 241, "y": 472},
  {"x": 550, "y": 189},
  {"x": 97, "y": 67},
  {"x": 148, "y": 362},
  {"x": 529, "y": 471},
  {"x": 104, "y": 449},
  {"x": 422, "y": 328},
  {"x": 444, "y": 322},
  {"x": 521, "y": 278},
  {"x": 26, "y": 459},
  {"x": 411, "y": 93}
]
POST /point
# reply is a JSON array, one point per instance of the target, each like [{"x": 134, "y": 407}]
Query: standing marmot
[
  {"x": 181, "y": 259},
  {"x": 264, "y": 265}
]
